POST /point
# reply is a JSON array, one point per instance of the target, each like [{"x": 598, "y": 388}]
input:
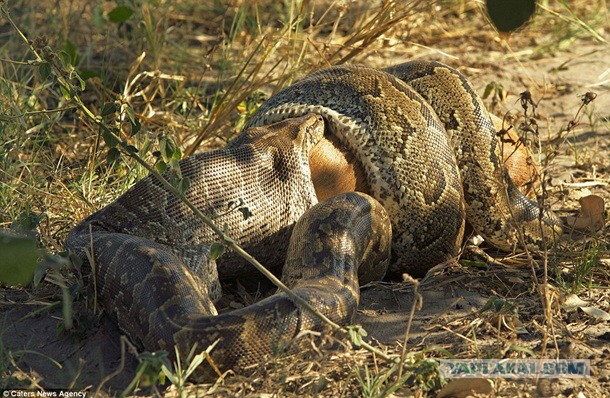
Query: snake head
[
  {"x": 288, "y": 143},
  {"x": 304, "y": 131}
]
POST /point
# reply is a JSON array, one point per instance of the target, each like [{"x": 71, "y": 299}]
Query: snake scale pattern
[{"x": 429, "y": 154}]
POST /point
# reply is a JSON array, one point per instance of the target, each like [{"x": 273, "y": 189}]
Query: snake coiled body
[
  {"x": 430, "y": 160},
  {"x": 494, "y": 205},
  {"x": 429, "y": 152}
]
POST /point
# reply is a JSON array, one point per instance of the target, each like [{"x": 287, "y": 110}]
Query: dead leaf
[
  {"x": 596, "y": 313},
  {"x": 461, "y": 388},
  {"x": 591, "y": 217},
  {"x": 573, "y": 302}
]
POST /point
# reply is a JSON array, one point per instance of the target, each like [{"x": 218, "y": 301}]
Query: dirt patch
[{"x": 47, "y": 357}]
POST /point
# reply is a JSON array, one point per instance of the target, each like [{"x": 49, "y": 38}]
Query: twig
[
  {"x": 40, "y": 112},
  {"x": 417, "y": 300}
]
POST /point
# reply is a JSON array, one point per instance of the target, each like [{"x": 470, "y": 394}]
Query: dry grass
[{"x": 195, "y": 71}]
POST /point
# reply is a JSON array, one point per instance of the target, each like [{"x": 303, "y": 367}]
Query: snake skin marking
[
  {"x": 402, "y": 147},
  {"x": 154, "y": 273},
  {"x": 494, "y": 205}
]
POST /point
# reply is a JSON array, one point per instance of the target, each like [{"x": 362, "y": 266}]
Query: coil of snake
[{"x": 407, "y": 151}]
